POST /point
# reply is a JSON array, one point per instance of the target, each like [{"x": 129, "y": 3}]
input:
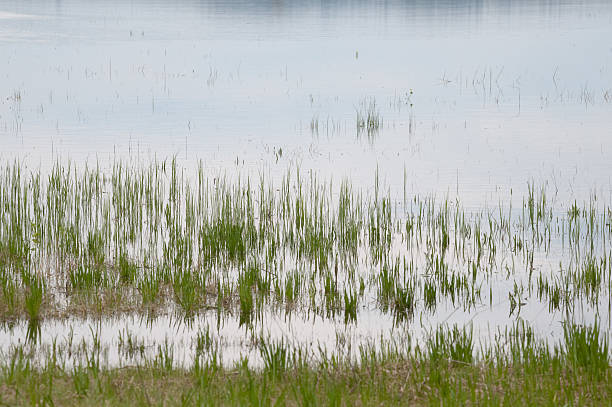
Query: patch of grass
[
  {"x": 151, "y": 229},
  {"x": 390, "y": 379},
  {"x": 186, "y": 292},
  {"x": 34, "y": 297},
  {"x": 454, "y": 345},
  {"x": 585, "y": 348},
  {"x": 368, "y": 118},
  {"x": 276, "y": 357},
  {"x": 142, "y": 240}
]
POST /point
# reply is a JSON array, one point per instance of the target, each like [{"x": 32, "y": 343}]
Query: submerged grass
[
  {"x": 146, "y": 240},
  {"x": 155, "y": 235}
]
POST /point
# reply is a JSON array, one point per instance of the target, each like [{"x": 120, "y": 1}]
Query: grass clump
[
  {"x": 454, "y": 345},
  {"x": 34, "y": 297},
  {"x": 276, "y": 357},
  {"x": 368, "y": 118},
  {"x": 585, "y": 348},
  {"x": 186, "y": 292}
]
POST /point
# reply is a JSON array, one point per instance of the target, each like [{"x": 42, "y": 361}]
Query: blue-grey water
[{"x": 475, "y": 97}]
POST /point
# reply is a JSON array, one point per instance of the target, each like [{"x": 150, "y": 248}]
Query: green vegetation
[
  {"x": 150, "y": 240},
  {"x": 447, "y": 371},
  {"x": 84, "y": 242},
  {"x": 368, "y": 121}
]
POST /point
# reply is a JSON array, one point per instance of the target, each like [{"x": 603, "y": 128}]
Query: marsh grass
[
  {"x": 152, "y": 231},
  {"x": 276, "y": 357},
  {"x": 186, "y": 292},
  {"x": 149, "y": 288},
  {"x": 151, "y": 239},
  {"x": 453, "y": 345},
  {"x": 446, "y": 374},
  {"x": 585, "y": 348},
  {"x": 34, "y": 297},
  {"x": 404, "y": 304},
  {"x": 368, "y": 118}
]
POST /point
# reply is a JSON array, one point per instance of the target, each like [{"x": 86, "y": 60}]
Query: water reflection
[
  {"x": 473, "y": 98},
  {"x": 33, "y": 331}
]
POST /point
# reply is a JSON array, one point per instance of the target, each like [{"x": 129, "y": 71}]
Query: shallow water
[
  {"x": 475, "y": 98},
  {"x": 501, "y": 93}
]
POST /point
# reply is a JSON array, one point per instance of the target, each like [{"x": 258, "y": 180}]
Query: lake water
[
  {"x": 472, "y": 98},
  {"x": 473, "y": 95}
]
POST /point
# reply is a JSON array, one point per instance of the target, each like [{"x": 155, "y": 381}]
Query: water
[
  {"x": 501, "y": 93},
  {"x": 475, "y": 98}
]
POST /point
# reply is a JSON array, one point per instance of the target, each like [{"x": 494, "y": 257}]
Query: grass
[
  {"x": 155, "y": 239},
  {"x": 368, "y": 119},
  {"x": 154, "y": 224},
  {"x": 585, "y": 348},
  {"x": 448, "y": 372},
  {"x": 148, "y": 231},
  {"x": 455, "y": 346}
]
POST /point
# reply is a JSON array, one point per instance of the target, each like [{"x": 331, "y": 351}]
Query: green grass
[
  {"x": 150, "y": 233},
  {"x": 368, "y": 119},
  {"x": 585, "y": 348},
  {"x": 156, "y": 239},
  {"x": 447, "y": 373}
]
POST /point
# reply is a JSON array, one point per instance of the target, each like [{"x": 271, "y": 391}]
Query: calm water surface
[
  {"x": 475, "y": 98},
  {"x": 472, "y": 95}
]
